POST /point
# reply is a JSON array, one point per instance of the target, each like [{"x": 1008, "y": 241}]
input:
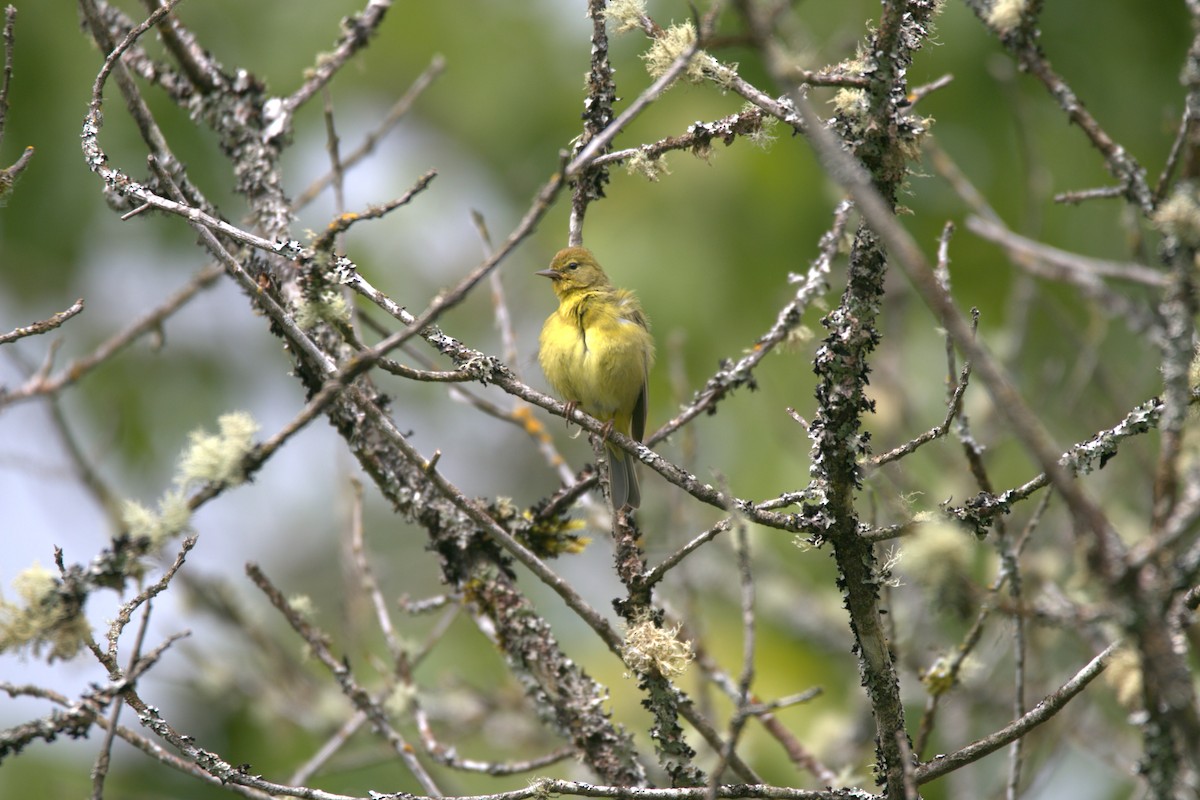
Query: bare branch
[
  {"x": 10, "y": 21},
  {"x": 1046, "y": 709},
  {"x": 395, "y": 114},
  {"x": 149, "y": 323},
  {"x": 43, "y": 326},
  {"x": 357, "y": 29},
  {"x": 342, "y": 222},
  {"x": 319, "y": 644}
]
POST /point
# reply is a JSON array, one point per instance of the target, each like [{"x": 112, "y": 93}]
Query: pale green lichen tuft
[
  {"x": 173, "y": 518},
  {"x": 1179, "y": 216},
  {"x": 675, "y": 42},
  {"x": 649, "y": 168},
  {"x": 797, "y": 339},
  {"x": 912, "y": 137},
  {"x": 938, "y": 553},
  {"x": 1005, "y": 15},
  {"x": 763, "y": 136},
  {"x": 1194, "y": 369},
  {"x": 174, "y": 512},
  {"x": 648, "y": 646},
  {"x": 330, "y": 306},
  {"x": 852, "y": 105},
  {"x": 1124, "y": 675},
  {"x": 35, "y": 584},
  {"x": 42, "y": 618},
  {"x": 218, "y": 458},
  {"x": 303, "y": 605},
  {"x": 721, "y": 74},
  {"x": 400, "y": 701},
  {"x": 139, "y": 521},
  {"x": 539, "y": 789},
  {"x": 629, "y": 15}
]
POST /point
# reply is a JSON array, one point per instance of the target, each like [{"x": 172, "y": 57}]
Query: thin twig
[
  {"x": 146, "y": 324},
  {"x": 698, "y": 137},
  {"x": 597, "y": 115},
  {"x": 1027, "y": 427},
  {"x": 104, "y": 495},
  {"x": 1080, "y": 459},
  {"x": 936, "y": 432},
  {"x": 812, "y": 285},
  {"x": 357, "y": 29},
  {"x": 1186, "y": 135},
  {"x": 1082, "y": 195},
  {"x": 42, "y": 326},
  {"x": 504, "y": 324},
  {"x": 397, "y": 112},
  {"x": 330, "y": 238},
  {"x": 366, "y": 575},
  {"x": 100, "y": 770},
  {"x": 329, "y": 749},
  {"x": 656, "y": 574},
  {"x": 651, "y": 93},
  {"x": 1012, "y": 568},
  {"x": 1072, "y": 264},
  {"x": 1120, "y": 163},
  {"x": 759, "y": 709},
  {"x": 342, "y": 222},
  {"x": 10, "y": 21},
  {"x": 919, "y": 93},
  {"x": 1043, "y": 711},
  {"x": 743, "y": 699},
  {"x": 319, "y": 646}
]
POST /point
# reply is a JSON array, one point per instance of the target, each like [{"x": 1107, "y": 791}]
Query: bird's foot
[{"x": 569, "y": 412}]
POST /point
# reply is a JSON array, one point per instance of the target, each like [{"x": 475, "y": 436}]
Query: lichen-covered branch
[{"x": 876, "y": 128}]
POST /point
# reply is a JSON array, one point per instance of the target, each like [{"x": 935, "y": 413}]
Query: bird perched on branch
[{"x": 596, "y": 351}]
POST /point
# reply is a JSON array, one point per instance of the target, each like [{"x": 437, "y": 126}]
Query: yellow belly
[{"x": 603, "y": 371}]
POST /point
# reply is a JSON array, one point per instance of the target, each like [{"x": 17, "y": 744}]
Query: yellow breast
[{"x": 595, "y": 357}]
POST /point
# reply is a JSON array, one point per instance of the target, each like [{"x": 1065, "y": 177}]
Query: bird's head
[{"x": 574, "y": 269}]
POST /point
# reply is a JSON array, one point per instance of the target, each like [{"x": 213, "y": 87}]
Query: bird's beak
[{"x": 548, "y": 273}]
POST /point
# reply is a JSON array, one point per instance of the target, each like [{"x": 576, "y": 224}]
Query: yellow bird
[{"x": 596, "y": 351}]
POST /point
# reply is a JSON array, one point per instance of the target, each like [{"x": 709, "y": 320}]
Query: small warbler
[{"x": 596, "y": 351}]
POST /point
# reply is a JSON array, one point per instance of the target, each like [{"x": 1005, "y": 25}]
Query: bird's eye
[{"x": 573, "y": 265}]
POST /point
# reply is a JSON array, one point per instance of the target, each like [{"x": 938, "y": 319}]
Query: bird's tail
[{"x": 622, "y": 479}]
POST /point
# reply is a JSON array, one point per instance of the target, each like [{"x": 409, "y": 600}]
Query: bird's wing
[
  {"x": 628, "y": 308},
  {"x": 638, "y": 421}
]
